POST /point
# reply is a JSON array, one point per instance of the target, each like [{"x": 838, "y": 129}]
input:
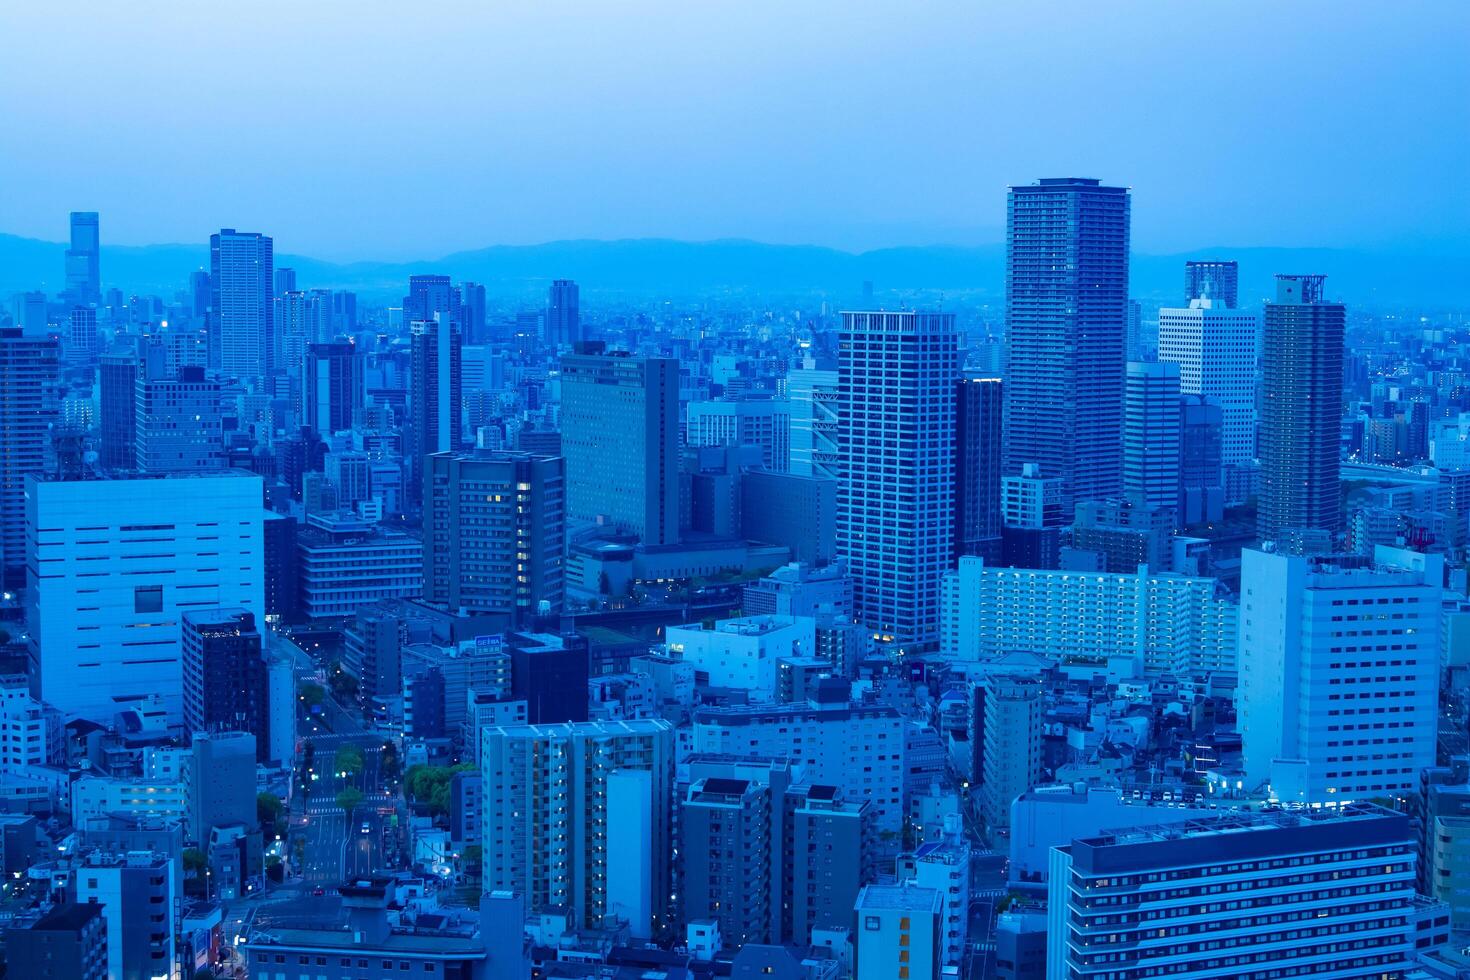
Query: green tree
[
  {"x": 268, "y": 811},
  {"x": 348, "y": 760},
  {"x": 311, "y": 693},
  {"x": 389, "y": 761},
  {"x": 428, "y": 786},
  {"x": 344, "y": 685},
  {"x": 349, "y": 799}
]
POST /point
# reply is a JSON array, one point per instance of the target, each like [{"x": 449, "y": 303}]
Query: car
[
  {"x": 366, "y": 829},
  {"x": 318, "y": 892}
]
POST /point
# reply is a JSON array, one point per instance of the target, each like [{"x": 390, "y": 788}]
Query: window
[{"x": 148, "y": 599}]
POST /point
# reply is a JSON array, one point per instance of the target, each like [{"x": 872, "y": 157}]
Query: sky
[{"x": 394, "y": 131}]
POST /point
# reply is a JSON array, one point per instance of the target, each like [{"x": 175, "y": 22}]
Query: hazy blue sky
[{"x": 412, "y": 129}]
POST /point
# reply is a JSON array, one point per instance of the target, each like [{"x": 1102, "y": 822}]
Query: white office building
[
  {"x": 762, "y": 422},
  {"x": 1319, "y": 893},
  {"x": 115, "y": 565},
  {"x": 1162, "y": 623},
  {"x": 1217, "y": 348},
  {"x": 578, "y": 815},
  {"x": 899, "y": 932},
  {"x": 813, "y": 396},
  {"x": 1339, "y": 673},
  {"x": 743, "y": 652}
]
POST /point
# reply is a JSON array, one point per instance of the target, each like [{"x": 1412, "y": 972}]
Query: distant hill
[{"x": 678, "y": 268}]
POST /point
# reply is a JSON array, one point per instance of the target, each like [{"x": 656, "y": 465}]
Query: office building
[
  {"x": 800, "y": 589},
  {"x": 620, "y": 437},
  {"x": 814, "y": 424},
  {"x": 1032, "y": 510},
  {"x": 83, "y": 260},
  {"x": 1151, "y": 434},
  {"x": 241, "y": 271},
  {"x": 1339, "y": 673},
  {"x": 117, "y": 410},
  {"x": 30, "y": 404},
  {"x": 83, "y": 342},
  {"x": 730, "y": 852},
  {"x": 829, "y": 857},
  {"x": 978, "y": 406},
  {"x": 67, "y": 943},
  {"x": 494, "y": 526},
  {"x": 1201, "y": 461},
  {"x": 1301, "y": 410},
  {"x": 225, "y": 682},
  {"x": 1322, "y": 893},
  {"x": 579, "y": 816},
  {"x": 900, "y": 932},
  {"x": 1011, "y": 747},
  {"x": 136, "y": 894},
  {"x": 222, "y": 781},
  {"x": 1213, "y": 279},
  {"x": 563, "y": 314},
  {"x": 294, "y": 325},
  {"x": 332, "y": 389},
  {"x": 1162, "y": 623},
  {"x": 798, "y": 512},
  {"x": 762, "y": 422},
  {"x": 1066, "y": 312},
  {"x": 429, "y": 296},
  {"x": 434, "y": 394},
  {"x": 472, "y": 312},
  {"x": 345, "y": 562},
  {"x": 115, "y": 564},
  {"x": 1216, "y": 348},
  {"x": 1123, "y": 534},
  {"x": 944, "y": 865},
  {"x": 896, "y": 440},
  {"x": 178, "y": 425},
  {"x": 549, "y": 673}
]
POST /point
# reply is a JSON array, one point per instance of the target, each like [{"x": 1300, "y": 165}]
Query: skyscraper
[
  {"x": 977, "y": 466},
  {"x": 1324, "y": 663},
  {"x": 563, "y": 313},
  {"x": 896, "y": 443},
  {"x": 1151, "y": 434},
  {"x": 433, "y": 392},
  {"x": 241, "y": 267},
  {"x": 83, "y": 265},
  {"x": 428, "y": 295},
  {"x": 1066, "y": 316},
  {"x": 117, "y": 412},
  {"x": 29, "y": 402},
  {"x": 494, "y": 529},
  {"x": 1301, "y": 409},
  {"x": 1216, "y": 349},
  {"x": 224, "y": 673},
  {"x": 1212, "y": 279},
  {"x": 179, "y": 427},
  {"x": 332, "y": 390},
  {"x": 472, "y": 306},
  {"x": 1201, "y": 472},
  {"x": 620, "y": 437}
]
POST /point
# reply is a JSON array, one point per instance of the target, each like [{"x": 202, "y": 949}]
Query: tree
[
  {"x": 389, "y": 761},
  {"x": 348, "y": 760},
  {"x": 428, "y": 786},
  {"x": 268, "y": 811},
  {"x": 311, "y": 693},
  {"x": 349, "y": 799},
  {"x": 196, "y": 867},
  {"x": 344, "y": 685}
]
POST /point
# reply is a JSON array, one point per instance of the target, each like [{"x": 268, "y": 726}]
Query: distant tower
[
  {"x": 434, "y": 393},
  {"x": 331, "y": 388},
  {"x": 241, "y": 281},
  {"x": 1212, "y": 279},
  {"x": 428, "y": 295},
  {"x": 896, "y": 447},
  {"x": 1301, "y": 409},
  {"x": 224, "y": 673},
  {"x": 83, "y": 260},
  {"x": 472, "y": 306},
  {"x": 1151, "y": 434},
  {"x": 1066, "y": 316},
  {"x": 1216, "y": 349},
  {"x": 117, "y": 395},
  {"x": 563, "y": 315},
  {"x": 285, "y": 281}
]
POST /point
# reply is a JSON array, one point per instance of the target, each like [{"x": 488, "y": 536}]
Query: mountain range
[{"x": 1383, "y": 278}]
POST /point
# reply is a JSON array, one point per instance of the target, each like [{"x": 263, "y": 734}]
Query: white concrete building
[
  {"x": 1011, "y": 762},
  {"x": 763, "y": 422},
  {"x": 579, "y": 815},
  {"x": 743, "y": 652},
  {"x": 1216, "y": 349},
  {"x": 115, "y": 564},
  {"x": 1339, "y": 677},
  {"x": 1164, "y": 623},
  {"x": 945, "y": 867},
  {"x": 858, "y": 748}
]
